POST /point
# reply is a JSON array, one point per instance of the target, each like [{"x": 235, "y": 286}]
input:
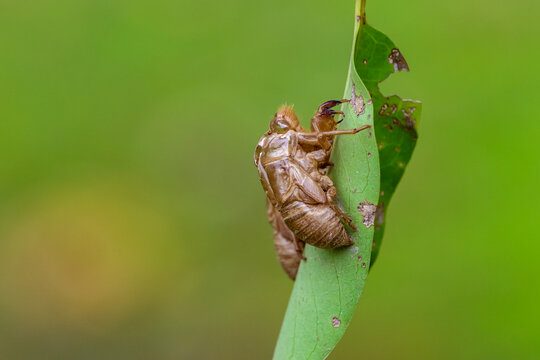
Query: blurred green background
[{"x": 132, "y": 221}]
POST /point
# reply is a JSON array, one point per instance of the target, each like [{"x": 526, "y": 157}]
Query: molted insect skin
[
  {"x": 318, "y": 225},
  {"x": 293, "y": 186},
  {"x": 288, "y": 248},
  {"x": 292, "y": 165}
]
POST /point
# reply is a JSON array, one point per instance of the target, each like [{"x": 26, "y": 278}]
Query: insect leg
[
  {"x": 330, "y": 194},
  {"x": 314, "y": 138},
  {"x": 342, "y": 215},
  {"x": 343, "y": 132}
]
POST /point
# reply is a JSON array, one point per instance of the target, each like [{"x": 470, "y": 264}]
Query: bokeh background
[{"x": 132, "y": 222}]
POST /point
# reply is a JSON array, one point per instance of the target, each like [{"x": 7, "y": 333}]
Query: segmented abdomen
[{"x": 317, "y": 225}]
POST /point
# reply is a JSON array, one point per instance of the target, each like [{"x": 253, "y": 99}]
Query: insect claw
[
  {"x": 337, "y": 122},
  {"x": 329, "y": 104},
  {"x": 325, "y": 112}
]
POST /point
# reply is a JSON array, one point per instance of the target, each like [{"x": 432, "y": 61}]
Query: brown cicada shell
[{"x": 292, "y": 166}]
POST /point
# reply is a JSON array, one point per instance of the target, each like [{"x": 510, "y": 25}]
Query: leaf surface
[
  {"x": 371, "y": 163},
  {"x": 330, "y": 282},
  {"x": 376, "y": 57}
]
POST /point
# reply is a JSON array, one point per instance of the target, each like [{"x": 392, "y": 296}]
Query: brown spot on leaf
[
  {"x": 336, "y": 322},
  {"x": 409, "y": 122},
  {"x": 368, "y": 154},
  {"x": 359, "y": 258},
  {"x": 368, "y": 212},
  {"x": 364, "y": 62},
  {"x": 383, "y": 109},
  {"x": 357, "y": 102},
  {"x": 363, "y": 265},
  {"x": 397, "y": 149},
  {"x": 398, "y": 60},
  {"x": 387, "y": 109}
]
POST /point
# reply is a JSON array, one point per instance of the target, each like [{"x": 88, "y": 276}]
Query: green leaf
[
  {"x": 330, "y": 282},
  {"x": 376, "y": 57}
]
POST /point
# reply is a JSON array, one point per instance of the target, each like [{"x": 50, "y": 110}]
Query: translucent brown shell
[{"x": 292, "y": 165}]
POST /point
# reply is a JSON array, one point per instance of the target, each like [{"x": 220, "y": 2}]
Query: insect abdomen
[{"x": 317, "y": 225}]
